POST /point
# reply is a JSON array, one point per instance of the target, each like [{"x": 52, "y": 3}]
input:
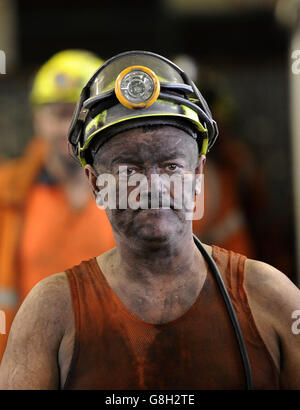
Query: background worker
[
  {"x": 46, "y": 207},
  {"x": 233, "y": 182}
]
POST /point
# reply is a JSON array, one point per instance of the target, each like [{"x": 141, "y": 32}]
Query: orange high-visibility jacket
[
  {"x": 35, "y": 220},
  {"x": 16, "y": 177}
]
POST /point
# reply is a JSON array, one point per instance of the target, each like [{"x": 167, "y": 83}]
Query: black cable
[{"x": 231, "y": 311}]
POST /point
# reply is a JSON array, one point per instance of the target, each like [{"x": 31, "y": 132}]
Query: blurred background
[{"x": 239, "y": 54}]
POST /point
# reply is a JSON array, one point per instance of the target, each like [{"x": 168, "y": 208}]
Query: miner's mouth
[
  {"x": 152, "y": 207},
  {"x": 158, "y": 203}
]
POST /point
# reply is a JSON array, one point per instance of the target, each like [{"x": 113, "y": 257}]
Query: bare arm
[
  {"x": 273, "y": 298},
  {"x": 31, "y": 357}
]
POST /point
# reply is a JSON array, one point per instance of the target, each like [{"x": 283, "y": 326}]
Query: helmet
[
  {"x": 62, "y": 77},
  {"x": 133, "y": 89}
]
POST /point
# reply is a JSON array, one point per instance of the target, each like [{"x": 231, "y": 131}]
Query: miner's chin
[{"x": 158, "y": 227}]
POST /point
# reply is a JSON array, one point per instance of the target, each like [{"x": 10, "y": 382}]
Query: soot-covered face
[{"x": 151, "y": 184}]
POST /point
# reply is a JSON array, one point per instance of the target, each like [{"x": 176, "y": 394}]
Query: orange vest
[
  {"x": 16, "y": 177},
  {"x": 114, "y": 349}
]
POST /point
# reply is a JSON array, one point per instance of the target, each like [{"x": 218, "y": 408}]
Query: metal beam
[
  {"x": 294, "y": 85},
  {"x": 8, "y": 33}
]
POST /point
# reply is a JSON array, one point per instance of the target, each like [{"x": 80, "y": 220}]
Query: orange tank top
[{"x": 116, "y": 350}]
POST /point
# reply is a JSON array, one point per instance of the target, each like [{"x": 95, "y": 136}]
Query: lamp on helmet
[{"x": 133, "y": 89}]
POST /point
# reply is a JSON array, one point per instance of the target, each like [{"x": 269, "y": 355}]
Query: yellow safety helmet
[{"x": 63, "y": 76}]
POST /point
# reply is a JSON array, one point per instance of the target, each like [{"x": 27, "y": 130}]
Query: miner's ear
[
  {"x": 200, "y": 164},
  {"x": 199, "y": 171},
  {"x": 91, "y": 175}
]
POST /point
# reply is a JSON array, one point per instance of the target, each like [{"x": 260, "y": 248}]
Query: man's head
[
  {"x": 55, "y": 91},
  {"x": 163, "y": 156},
  {"x": 140, "y": 111}
]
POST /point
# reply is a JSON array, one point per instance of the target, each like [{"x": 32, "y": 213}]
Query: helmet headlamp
[
  {"x": 133, "y": 86},
  {"x": 137, "y": 87}
]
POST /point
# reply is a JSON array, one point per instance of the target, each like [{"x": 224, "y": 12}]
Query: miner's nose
[{"x": 156, "y": 183}]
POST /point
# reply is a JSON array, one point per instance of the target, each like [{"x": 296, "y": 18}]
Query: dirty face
[
  {"x": 163, "y": 151},
  {"x": 51, "y": 123}
]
